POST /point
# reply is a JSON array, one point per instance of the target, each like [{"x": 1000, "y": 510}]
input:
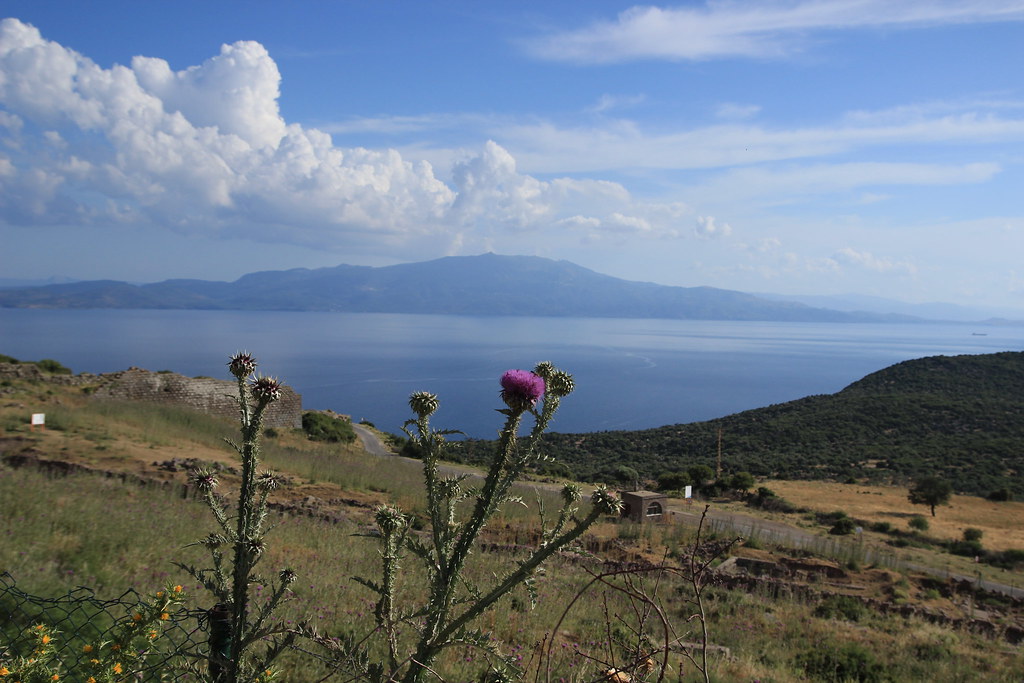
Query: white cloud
[
  {"x": 206, "y": 150},
  {"x": 546, "y": 148},
  {"x": 735, "y": 112},
  {"x": 607, "y": 102},
  {"x": 708, "y": 227},
  {"x": 772, "y": 28},
  {"x": 783, "y": 183},
  {"x": 863, "y": 259}
]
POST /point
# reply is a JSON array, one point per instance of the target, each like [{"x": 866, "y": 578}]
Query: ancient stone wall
[{"x": 213, "y": 396}]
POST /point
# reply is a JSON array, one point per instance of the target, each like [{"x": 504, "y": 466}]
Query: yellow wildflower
[
  {"x": 4, "y": 671},
  {"x": 90, "y": 679},
  {"x": 159, "y": 594},
  {"x": 165, "y": 616},
  {"x": 177, "y": 589},
  {"x": 46, "y": 639},
  {"x": 54, "y": 677},
  {"x": 117, "y": 668},
  {"x": 152, "y": 635},
  {"x": 87, "y": 649},
  {"x": 115, "y": 647},
  {"x": 136, "y": 617},
  {"x": 94, "y": 661}
]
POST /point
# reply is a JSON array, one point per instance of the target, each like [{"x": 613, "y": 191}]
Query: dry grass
[{"x": 1000, "y": 522}]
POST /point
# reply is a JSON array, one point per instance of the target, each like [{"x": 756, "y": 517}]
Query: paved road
[{"x": 371, "y": 442}]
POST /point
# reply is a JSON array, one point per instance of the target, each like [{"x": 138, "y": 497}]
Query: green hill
[{"x": 961, "y": 418}]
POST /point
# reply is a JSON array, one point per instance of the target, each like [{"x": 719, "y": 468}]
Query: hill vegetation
[{"x": 960, "y": 418}]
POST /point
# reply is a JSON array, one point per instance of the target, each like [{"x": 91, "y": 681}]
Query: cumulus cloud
[
  {"x": 206, "y": 150},
  {"x": 772, "y": 28}
]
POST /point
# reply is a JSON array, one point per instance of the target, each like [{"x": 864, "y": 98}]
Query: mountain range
[{"x": 488, "y": 284}]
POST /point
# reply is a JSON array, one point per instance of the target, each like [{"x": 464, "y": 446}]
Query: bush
[
  {"x": 321, "y": 427},
  {"x": 843, "y": 527},
  {"x": 847, "y": 662},
  {"x": 882, "y": 527},
  {"x": 1002, "y": 495},
  {"x": 53, "y": 367},
  {"x": 673, "y": 481},
  {"x": 966, "y": 548},
  {"x": 841, "y": 607},
  {"x": 918, "y": 523},
  {"x": 973, "y": 535}
]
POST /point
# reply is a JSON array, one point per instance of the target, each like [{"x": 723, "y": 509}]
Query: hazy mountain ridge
[{"x": 488, "y": 284}]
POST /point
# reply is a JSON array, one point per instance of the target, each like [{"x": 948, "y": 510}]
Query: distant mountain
[
  {"x": 488, "y": 284},
  {"x": 957, "y": 417},
  {"x": 874, "y": 304}
]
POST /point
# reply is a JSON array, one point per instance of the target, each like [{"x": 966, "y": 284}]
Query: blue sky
[{"x": 796, "y": 147}]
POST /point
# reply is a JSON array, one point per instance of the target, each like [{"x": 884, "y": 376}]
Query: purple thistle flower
[{"x": 520, "y": 389}]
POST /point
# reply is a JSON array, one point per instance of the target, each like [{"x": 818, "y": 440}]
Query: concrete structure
[{"x": 644, "y": 506}]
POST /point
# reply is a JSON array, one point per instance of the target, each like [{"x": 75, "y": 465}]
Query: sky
[{"x": 784, "y": 146}]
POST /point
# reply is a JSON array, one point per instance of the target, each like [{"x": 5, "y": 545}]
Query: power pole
[{"x": 718, "y": 468}]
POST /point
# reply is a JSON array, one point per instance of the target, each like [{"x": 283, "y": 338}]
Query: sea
[{"x": 630, "y": 373}]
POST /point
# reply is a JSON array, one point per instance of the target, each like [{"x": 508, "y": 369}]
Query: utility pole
[{"x": 718, "y": 468}]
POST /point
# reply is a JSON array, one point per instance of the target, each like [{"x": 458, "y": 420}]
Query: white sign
[
  {"x": 688, "y": 492},
  {"x": 38, "y": 418}
]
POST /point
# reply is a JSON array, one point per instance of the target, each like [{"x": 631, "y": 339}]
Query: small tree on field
[{"x": 930, "y": 491}]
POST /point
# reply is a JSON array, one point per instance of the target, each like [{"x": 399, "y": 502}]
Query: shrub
[
  {"x": 973, "y": 535},
  {"x": 1001, "y": 495},
  {"x": 918, "y": 523},
  {"x": 321, "y": 427},
  {"x": 673, "y": 481},
  {"x": 966, "y": 548},
  {"x": 882, "y": 527},
  {"x": 847, "y": 662},
  {"x": 53, "y": 367},
  {"x": 843, "y": 527},
  {"x": 841, "y": 607}
]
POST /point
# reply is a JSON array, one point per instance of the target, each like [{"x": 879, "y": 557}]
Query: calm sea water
[{"x": 630, "y": 374}]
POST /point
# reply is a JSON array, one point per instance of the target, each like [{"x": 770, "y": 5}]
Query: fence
[{"x": 81, "y": 619}]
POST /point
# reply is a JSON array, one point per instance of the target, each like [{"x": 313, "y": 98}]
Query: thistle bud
[
  {"x": 571, "y": 493},
  {"x": 268, "y": 481},
  {"x": 288, "y": 576},
  {"x": 242, "y": 364},
  {"x": 424, "y": 404},
  {"x": 605, "y": 501},
  {"x": 204, "y": 479},
  {"x": 265, "y": 389},
  {"x": 560, "y": 384},
  {"x": 389, "y": 519}
]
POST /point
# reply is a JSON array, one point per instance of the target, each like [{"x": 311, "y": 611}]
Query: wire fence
[{"x": 83, "y": 621}]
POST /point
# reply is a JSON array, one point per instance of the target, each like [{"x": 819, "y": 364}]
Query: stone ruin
[{"x": 212, "y": 396}]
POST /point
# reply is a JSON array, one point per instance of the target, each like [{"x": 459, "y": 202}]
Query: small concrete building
[{"x": 644, "y": 506}]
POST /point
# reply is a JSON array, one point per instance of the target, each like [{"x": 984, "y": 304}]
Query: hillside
[
  {"x": 961, "y": 418},
  {"x": 488, "y": 284}
]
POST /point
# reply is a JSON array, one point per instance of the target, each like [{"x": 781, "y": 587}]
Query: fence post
[{"x": 220, "y": 641}]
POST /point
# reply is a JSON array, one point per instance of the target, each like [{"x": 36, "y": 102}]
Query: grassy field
[
  {"x": 59, "y": 532},
  {"x": 1000, "y": 522}
]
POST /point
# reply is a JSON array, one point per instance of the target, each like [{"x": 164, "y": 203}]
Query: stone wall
[{"x": 213, "y": 396}]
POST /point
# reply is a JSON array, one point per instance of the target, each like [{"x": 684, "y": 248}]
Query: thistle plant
[
  {"x": 452, "y": 603},
  {"x": 237, "y": 626}
]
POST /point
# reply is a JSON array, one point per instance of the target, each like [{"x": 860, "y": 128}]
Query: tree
[{"x": 930, "y": 491}]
